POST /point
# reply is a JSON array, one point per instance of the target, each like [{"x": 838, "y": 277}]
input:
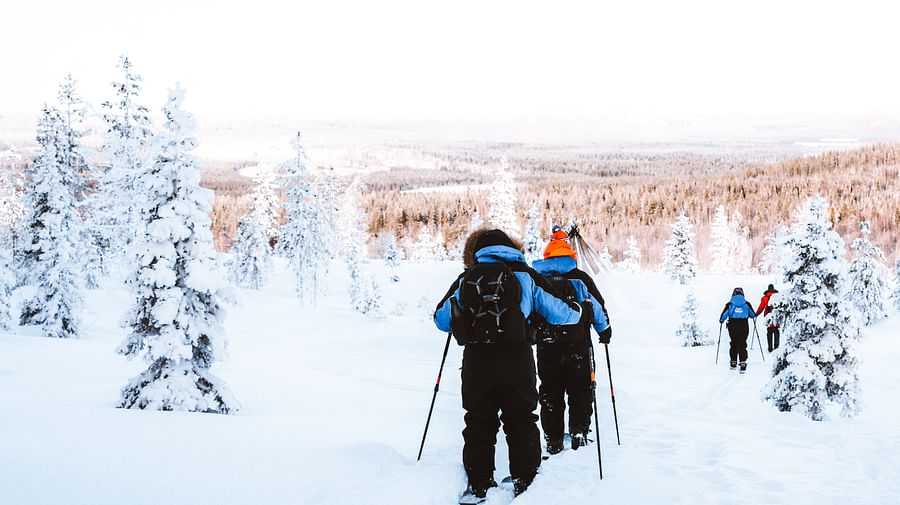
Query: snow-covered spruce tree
[
  {"x": 178, "y": 284},
  {"x": 363, "y": 288},
  {"x": 896, "y": 294},
  {"x": 689, "y": 332},
  {"x": 126, "y": 145},
  {"x": 502, "y": 201},
  {"x": 300, "y": 237},
  {"x": 534, "y": 242},
  {"x": 742, "y": 252},
  {"x": 266, "y": 200},
  {"x": 721, "y": 240},
  {"x": 606, "y": 259},
  {"x": 632, "y": 261},
  {"x": 7, "y": 281},
  {"x": 868, "y": 278},
  {"x": 775, "y": 252},
  {"x": 50, "y": 257},
  {"x": 425, "y": 245},
  {"x": 818, "y": 362},
  {"x": 92, "y": 246},
  {"x": 680, "y": 261},
  {"x": 393, "y": 254},
  {"x": 251, "y": 256}
]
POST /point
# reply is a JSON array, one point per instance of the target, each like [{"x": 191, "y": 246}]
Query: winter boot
[
  {"x": 554, "y": 446},
  {"x": 732, "y": 365},
  {"x": 520, "y": 485},
  {"x": 743, "y": 366},
  {"x": 580, "y": 440},
  {"x": 480, "y": 489}
]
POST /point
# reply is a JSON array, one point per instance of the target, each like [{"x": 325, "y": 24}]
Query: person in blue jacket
[
  {"x": 498, "y": 377},
  {"x": 737, "y": 311},
  {"x": 563, "y": 358}
]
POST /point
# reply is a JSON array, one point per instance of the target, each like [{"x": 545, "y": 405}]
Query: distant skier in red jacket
[{"x": 773, "y": 332}]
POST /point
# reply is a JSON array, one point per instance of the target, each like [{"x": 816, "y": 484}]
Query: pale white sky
[{"x": 463, "y": 59}]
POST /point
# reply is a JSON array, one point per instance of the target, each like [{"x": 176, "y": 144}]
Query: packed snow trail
[{"x": 327, "y": 394}]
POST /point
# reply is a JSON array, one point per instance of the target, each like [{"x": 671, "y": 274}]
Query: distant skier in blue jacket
[{"x": 737, "y": 312}]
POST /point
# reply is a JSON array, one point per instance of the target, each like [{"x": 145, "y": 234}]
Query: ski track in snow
[{"x": 333, "y": 407}]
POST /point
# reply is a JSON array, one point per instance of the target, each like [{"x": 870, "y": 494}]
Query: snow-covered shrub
[
  {"x": 632, "y": 261},
  {"x": 721, "y": 240},
  {"x": 7, "y": 282},
  {"x": 818, "y": 362},
  {"x": 251, "y": 256},
  {"x": 896, "y": 294},
  {"x": 689, "y": 332},
  {"x": 178, "y": 284},
  {"x": 393, "y": 255}
]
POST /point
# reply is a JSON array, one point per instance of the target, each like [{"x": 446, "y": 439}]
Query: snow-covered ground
[{"x": 333, "y": 406}]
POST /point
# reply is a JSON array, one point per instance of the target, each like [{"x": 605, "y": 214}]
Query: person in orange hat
[{"x": 563, "y": 357}]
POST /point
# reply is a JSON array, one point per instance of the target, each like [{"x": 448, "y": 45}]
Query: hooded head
[
  {"x": 485, "y": 237},
  {"x": 771, "y": 289},
  {"x": 737, "y": 291}
]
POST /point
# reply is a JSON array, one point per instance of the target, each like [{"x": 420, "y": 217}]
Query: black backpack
[
  {"x": 547, "y": 333},
  {"x": 489, "y": 310}
]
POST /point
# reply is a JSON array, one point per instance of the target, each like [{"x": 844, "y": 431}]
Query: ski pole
[
  {"x": 596, "y": 412},
  {"x": 437, "y": 385},
  {"x": 761, "y": 353},
  {"x": 718, "y": 343},
  {"x": 612, "y": 394}
]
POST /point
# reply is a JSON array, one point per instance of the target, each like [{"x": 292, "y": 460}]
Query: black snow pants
[
  {"x": 773, "y": 335},
  {"x": 500, "y": 378},
  {"x": 564, "y": 369},
  {"x": 738, "y": 329}
]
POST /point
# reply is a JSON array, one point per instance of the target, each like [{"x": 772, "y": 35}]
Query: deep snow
[{"x": 333, "y": 406}]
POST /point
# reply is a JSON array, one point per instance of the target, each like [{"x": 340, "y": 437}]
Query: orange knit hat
[{"x": 558, "y": 247}]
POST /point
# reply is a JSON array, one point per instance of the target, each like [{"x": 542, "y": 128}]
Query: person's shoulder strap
[
  {"x": 539, "y": 280},
  {"x": 451, "y": 291},
  {"x": 583, "y": 276}
]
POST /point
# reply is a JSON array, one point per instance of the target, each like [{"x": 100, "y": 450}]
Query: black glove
[
  {"x": 587, "y": 312},
  {"x": 606, "y": 335}
]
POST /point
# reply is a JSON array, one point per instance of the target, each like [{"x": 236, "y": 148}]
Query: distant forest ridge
[{"x": 615, "y": 195}]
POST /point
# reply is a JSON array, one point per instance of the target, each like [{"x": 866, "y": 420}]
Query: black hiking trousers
[
  {"x": 773, "y": 335},
  {"x": 738, "y": 329},
  {"x": 499, "y": 384},
  {"x": 565, "y": 370}
]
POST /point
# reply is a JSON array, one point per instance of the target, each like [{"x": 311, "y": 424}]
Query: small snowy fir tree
[
  {"x": 632, "y": 261},
  {"x": 251, "y": 256},
  {"x": 868, "y": 278},
  {"x": 51, "y": 255},
  {"x": 393, "y": 254},
  {"x": 12, "y": 207},
  {"x": 502, "y": 201},
  {"x": 428, "y": 247},
  {"x": 534, "y": 242},
  {"x": 126, "y": 145},
  {"x": 775, "y": 252},
  {"x": 818, "y": 363},
  {"x": 178, "y": 284},
  {"x": 896, "y": 294},
  {"x": 721, "y": 240},
  {"x": 689, "y": 333},
  {"x": 680, "y": 262}
]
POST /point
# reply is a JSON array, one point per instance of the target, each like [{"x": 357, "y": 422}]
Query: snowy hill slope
[{"x": 333, "y": 406}]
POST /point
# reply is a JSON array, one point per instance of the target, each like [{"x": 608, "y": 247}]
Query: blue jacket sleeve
[
  {"x": 752, "y": 311},
  {"x": 600, "y": 321},
  {"x": 725, "y": 313},
  {"x": 442, "y": 314},
  {"x": 553, "y": 309}
]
